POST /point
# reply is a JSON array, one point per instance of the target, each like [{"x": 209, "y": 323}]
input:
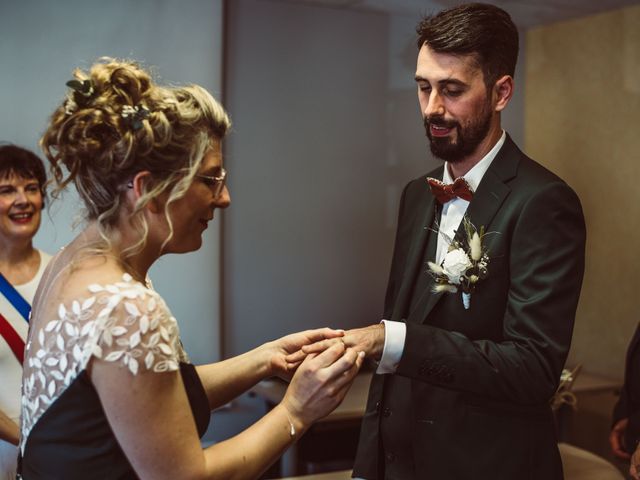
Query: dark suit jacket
[
  {"x": 481, "y": 379},
  {"x": 628, "y": 405}
]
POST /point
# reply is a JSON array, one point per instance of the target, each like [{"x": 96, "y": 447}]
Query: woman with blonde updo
[{"x": 108, "y": 391}]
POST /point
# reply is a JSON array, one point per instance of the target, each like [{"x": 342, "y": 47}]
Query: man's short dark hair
[
  {"x": 479, "y": 29},
  {"x": 23, "y": 163}
]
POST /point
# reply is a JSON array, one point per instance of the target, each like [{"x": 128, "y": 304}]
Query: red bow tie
[{"x": 444, "y": 192}]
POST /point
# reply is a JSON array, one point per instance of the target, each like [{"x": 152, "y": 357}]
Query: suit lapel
[
  {"x": 426, "y": 212},
  {"x": 486, "y": 202},
  {"x": 492, "y": 190}
]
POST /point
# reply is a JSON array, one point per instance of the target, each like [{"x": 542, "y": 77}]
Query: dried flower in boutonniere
[
  {"x": 564, "y": 394},
  {"x": 464, "y": 265}
]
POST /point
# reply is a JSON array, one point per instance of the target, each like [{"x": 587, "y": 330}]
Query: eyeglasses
[{"x": 216, "y": 184}]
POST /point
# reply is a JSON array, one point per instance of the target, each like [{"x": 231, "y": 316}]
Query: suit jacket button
[
  {"x": 390, "y": 457},
  {"x": 377, "y": 407},
  {"x": 386, "y": 412}
]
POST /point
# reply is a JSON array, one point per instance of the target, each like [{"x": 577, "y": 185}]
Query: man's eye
[
  {"x": 6, "y": 190},
  {"x": 453, "y": 93},
  {"x": 33, "y": 188}
]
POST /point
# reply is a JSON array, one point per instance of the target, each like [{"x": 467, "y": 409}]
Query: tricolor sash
[{"x": 12, "y": 338}]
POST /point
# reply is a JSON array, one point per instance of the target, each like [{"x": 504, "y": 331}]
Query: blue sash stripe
[{"x": 15, "y": 299}]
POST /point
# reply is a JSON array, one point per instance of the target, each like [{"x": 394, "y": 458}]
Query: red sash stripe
[{"x": 13, "y": 339}]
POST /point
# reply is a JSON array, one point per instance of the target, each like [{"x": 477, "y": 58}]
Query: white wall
[
  {"x": 41, "y": 41},
  {"x": 327, "y": 131}
]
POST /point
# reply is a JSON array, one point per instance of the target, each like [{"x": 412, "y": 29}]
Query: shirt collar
[{"x": 474, "y": 176}]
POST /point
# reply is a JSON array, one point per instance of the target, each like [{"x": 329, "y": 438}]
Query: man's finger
[{"x": 320, "y": 334}]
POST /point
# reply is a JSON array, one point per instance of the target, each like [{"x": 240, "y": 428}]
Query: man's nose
[{"x": 435, "y": 106}]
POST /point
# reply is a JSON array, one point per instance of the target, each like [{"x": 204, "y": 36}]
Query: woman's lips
[{"x": 21, "y": 218}]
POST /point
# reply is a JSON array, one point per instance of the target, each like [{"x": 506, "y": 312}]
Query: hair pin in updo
[
  {"x": 133, "y": 116},
  {"x": 83, "y": 91},
  {"x": 84, "y": 87}
]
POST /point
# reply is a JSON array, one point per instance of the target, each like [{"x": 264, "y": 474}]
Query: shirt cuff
[{"x": 394, "y": 336}]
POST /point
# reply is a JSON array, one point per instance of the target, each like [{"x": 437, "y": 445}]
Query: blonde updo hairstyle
[{"x": 90, "y": 143}]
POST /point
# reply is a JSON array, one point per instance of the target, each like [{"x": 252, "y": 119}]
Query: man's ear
[
  {"x": 138, "y": 183},
  {"x": 502, "y": 92}
]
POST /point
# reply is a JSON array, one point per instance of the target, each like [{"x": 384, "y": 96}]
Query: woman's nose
[
  {"x": 224, "y": 199},
  {"x": 21, "y": 197}
]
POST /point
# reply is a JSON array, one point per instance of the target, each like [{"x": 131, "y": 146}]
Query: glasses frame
[{"x": 215, "y": 183}]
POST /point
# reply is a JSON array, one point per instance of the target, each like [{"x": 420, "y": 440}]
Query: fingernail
[{"x": 361, "y": 354}]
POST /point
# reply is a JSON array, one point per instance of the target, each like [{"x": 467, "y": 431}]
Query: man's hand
[
  {"x": 369, "y": 340},
  {"x": 279, "y": 350},
  {"x": 634, "y": 467},
  {"x": 616, "y": 439}
]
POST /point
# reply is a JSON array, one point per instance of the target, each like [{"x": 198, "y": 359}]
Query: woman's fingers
[
  {"x": 353, "y": 362},
  {"x": 292, "y": 367},
  {"x": 295, "y": 357},
  {"x": 329, "y": 356},
  {"x": 321, "y": 345}
]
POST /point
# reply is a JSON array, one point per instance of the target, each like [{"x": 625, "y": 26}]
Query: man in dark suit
[{"x": 463, "y": 393}]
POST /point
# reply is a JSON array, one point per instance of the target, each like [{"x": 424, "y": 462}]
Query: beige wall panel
[{"x": 582, "y": 120}]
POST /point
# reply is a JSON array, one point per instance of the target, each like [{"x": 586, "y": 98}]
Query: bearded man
[{"x": 484, "y": 283}]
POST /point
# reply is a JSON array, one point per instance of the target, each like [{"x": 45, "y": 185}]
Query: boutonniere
[{"x": 464, "y": 265}]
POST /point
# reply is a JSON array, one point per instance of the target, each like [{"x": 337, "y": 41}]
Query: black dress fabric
[{"x": 73, "y": 439}]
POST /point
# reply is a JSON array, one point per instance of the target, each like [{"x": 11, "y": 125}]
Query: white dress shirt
[{"x": 452, "y": 213}]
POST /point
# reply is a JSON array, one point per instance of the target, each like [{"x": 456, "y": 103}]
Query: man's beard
[{"x": 467, "y": 138}]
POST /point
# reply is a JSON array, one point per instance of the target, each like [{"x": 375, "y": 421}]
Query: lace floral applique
[{"x": 124, "y": 323}]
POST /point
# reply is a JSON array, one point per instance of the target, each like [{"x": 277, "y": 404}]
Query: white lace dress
[{"x": 65, "y": 433}]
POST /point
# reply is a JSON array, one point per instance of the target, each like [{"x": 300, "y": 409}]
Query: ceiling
[{"x": 525, "y": 13}]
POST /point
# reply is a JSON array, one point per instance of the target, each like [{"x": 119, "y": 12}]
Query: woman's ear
[
  {"x": 137, "y": 187},
  {"x": 503, "y": 91}
]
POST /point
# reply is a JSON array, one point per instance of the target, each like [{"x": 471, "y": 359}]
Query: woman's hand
[
  {"x": 369, "y": 340},
  {"x": 320, "y": 384},
  {"x": 616, "y": 439},
  {"x": 278, "y": 350}
]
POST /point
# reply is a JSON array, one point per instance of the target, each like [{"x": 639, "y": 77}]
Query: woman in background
[
  {"x": 108, "y": 391},
  {"x": 22, "y": 180}
]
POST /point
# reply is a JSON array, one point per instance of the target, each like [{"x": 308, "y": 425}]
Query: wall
[
  {"x": 40, "y": 44},
  {"x": 582, "y": 111},
  {"x": 327, "y": 131}
]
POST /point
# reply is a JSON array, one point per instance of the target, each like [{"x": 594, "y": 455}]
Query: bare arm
[
  {"x": 223, "y": 381},
  {"x": 152, "y": 420},
  {"x": 9, "y": 430}
]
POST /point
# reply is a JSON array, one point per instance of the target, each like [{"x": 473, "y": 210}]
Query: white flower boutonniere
[{"x": 464, "y": 264}]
